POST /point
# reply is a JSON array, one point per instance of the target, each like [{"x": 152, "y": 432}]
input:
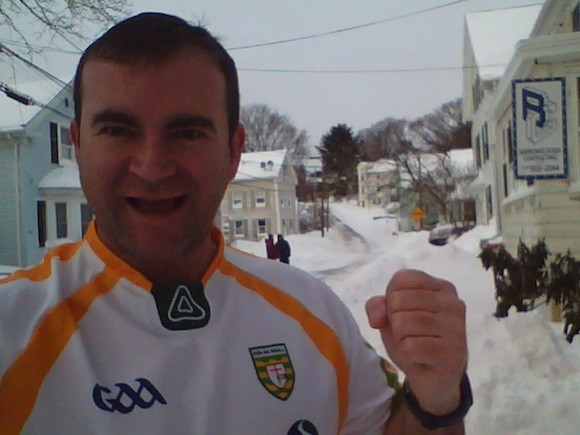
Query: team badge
[
  {"x": 274, "y": 369},
  {"x": 181, "y": 305}
]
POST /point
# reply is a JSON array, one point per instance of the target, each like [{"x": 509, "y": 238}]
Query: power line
[
  {"x": 43, "y": 47},
  {"x": 280, "y": 70},
  {"x": 27, "y": 100},
  {"x": 346, "y": 29},
  {"x": 35, "y": 67},
  {"x": 369, "y": 71}
]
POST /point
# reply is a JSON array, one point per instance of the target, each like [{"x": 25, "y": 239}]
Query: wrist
[
  {"x": 442, "y": 404},
  {"x": 433, "y": 420}
]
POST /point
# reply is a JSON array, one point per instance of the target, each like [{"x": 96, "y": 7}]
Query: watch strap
[{"x": 431, "y": 421}]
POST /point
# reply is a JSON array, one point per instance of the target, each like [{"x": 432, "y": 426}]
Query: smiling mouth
[{"x": 156, "y": 206}]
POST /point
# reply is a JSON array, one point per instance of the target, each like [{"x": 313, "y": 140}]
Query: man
[
  {"x": 283, "y": 248},
  {"x": 271, "y": 249},
  {"x": 150, "y": 325}
]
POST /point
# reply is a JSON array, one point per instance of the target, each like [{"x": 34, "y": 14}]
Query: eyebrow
[
  {"x": 113, "y": 115},
  {"x": 174, "y": 123},
  {"x": 186, "y": 121}
]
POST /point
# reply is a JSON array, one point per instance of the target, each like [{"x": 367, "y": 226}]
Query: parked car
[{"x": 441, "y": 234}]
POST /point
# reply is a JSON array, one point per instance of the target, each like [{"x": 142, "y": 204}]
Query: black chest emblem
[{"x": 181, "y": 305}]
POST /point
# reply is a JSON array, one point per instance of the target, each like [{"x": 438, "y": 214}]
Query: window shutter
[
  {"x": 41, "y": 222},
  {"x": 505, "y": 180},
  {"x": 54, "y": 142}
]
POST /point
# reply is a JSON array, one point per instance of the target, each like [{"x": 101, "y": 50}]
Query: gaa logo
[{"x": 126, "y": 398}]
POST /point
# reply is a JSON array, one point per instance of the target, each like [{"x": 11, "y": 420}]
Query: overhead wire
[
  {"x": 318, "y": 35},
  {"x": 345, "y": 29},
  {"x": 373, "y": 71},
  {"x": 27, "y": 100}
]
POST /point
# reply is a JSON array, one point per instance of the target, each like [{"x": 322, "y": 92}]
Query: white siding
[{"x": 8, "y": 205}]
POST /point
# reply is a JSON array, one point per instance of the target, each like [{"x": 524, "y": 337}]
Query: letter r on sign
[{"x": 534, "y": 102}]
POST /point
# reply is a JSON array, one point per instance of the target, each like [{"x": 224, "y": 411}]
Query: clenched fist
[{"x": 422, "y": 324}]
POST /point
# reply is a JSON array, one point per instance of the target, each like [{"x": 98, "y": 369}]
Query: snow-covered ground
[{"x": 525, "y": 376}]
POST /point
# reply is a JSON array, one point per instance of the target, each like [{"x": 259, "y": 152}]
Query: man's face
[{"x": 154, "y": 154}]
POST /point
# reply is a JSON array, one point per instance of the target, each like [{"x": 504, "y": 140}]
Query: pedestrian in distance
[
  {"x": 283, "y": 248},
  {"x": 150, "y": 324},
  {"x": 271, "y": 249}
]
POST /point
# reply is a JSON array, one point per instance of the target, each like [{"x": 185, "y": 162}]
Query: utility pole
[{"x": 322, "y": 214}]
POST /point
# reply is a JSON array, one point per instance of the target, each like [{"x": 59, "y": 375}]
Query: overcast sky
[{"x": 328, "y": 93}]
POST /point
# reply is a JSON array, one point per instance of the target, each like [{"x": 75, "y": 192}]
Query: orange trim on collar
[
  {"x": 113, "y": 261},
  {"x": 217, "y": 237},
  {"x": 125, "y": 270}
]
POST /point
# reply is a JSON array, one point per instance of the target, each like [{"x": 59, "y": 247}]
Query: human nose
[{"x": 153, "y": 160}]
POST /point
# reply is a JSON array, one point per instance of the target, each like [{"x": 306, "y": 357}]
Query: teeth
[{"x": 156, "y": 206}]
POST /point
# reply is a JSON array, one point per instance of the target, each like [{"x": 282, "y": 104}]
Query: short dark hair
[{"x": 154, "y": 36}]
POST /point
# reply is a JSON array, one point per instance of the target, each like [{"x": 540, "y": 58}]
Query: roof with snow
[
  {"x": 462, "y": 159},
  {"x": 494, "y": 35},
  {"x": 380, "y": 166},
  {"x": 261, "y": 165},
  {"x": 65, "y": 176}
]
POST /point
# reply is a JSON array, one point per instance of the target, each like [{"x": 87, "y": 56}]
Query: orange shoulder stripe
[
  {"x": 21, "y": 383},
  {"x": 323, "y": 337},
  {"x": 42, "y": 270}
]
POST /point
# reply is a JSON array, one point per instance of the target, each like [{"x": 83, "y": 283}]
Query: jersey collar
[{"x": 126, "y": 271}]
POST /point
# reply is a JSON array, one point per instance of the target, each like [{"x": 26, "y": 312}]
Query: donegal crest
[{"x": 274, "y": 369}]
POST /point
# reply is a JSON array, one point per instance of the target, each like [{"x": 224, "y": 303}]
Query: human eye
[
  {"x": 115, "y": 130},
  {"x": 188, "y": 134}
]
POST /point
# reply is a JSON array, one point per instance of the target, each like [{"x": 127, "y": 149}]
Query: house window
[
  {"x": 489, "y": 202},
  {"x": 477, "y": 152},
  {"x": 262, "y": 226},
  {"x": 66, "y": 146},
  {"x": 578, "y": 96},
  {"x": 576, "y": 19},
  {"x": 239, "y": 225},
  {"x": 260, "y": 199},
  {"x": 505, "y": 179},
  {"x": 86, "y": 217},
  {"x": 61, "y": 223},
  {"x": 41, "y": 222},
  {"x": 510, "y": 144},
  {"x": 61, "y": 147},
  {"x": 238, "y": 200},
  {"x": 485, "y": 143}
]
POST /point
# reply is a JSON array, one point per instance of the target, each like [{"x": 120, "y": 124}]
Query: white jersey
[{"x": 89, "y": 346}]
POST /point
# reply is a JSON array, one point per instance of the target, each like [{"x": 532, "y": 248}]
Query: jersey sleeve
[{"x": 374, "y": 388}]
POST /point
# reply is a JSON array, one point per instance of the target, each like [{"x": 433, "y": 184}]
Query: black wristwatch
[{"x": 430, "y": 421}]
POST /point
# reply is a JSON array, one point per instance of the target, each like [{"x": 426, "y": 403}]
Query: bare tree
[
  {"x": 442, "y": 130},
  {"x": 62, "y": 18},
  {"x": 382, "y": 139},
  {"x": 268, "y": 130},
  {"x": 426, "y": 156}
]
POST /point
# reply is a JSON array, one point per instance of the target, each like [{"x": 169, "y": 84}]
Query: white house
[
  {"x": 261, "y": 199},
  {"x": 378, "y": 184},
  {"x": 34, "y": 142},
  {"x": 489, "y": 41},
  {"x": 540, "y": 200}
]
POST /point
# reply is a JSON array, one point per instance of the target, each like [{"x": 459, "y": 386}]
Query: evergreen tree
[{"x": 339, "y": 150}]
